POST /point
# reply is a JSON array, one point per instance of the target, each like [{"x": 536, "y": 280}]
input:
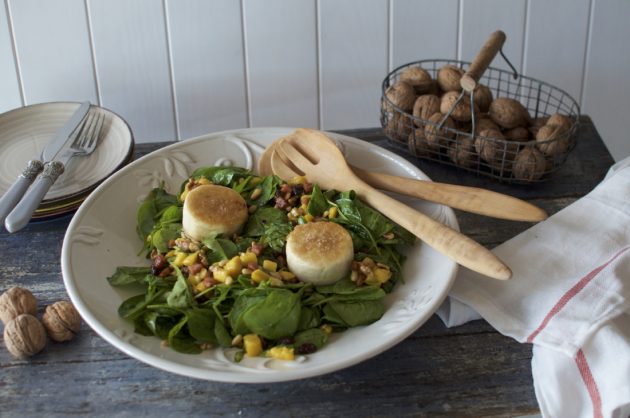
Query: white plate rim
[{"x": 189, "y": 371}]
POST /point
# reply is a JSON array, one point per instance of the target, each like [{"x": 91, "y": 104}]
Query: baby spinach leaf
[
  {"x": 151, "y": 209},
  {"x": 318, "y": 203},
  {"x": 271, "y": 313},
  {"x": 223, "y": 336},
  {"x": 159, "y": 324},
  {"x": 357, "y": 313},
  {"x": 224, "y": 176},
  {"x": 268, "y": 190},
  {"x": 314, "y": 336},
  {"x": 201, "y": 324},
  {"x": 221, "y": 249},
  {"x": 135, "y": 305},
  {"x": 180, "y": 340},
  {"x": 269, "y": 224},
  {"x": 180, "y": 296},
  {"x": 126, "y": 275},
  {"x": 309, "y": 318},
  {"x": 161, "y": 236}
]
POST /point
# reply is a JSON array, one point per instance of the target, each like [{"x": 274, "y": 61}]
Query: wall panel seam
[
  {"x": 459, "y": 18},
  {"x": 97, "y": 85},
  {"x": 16, "y": 55},
  {"x": 248, "y": 105},
  {"x": 587, "y": 50},
  {"x": 318, "y": 40},
  {"x": 171, "y": 77},
  {"x": 390, "y": 36},
  {"x": 525, "y": 36}
]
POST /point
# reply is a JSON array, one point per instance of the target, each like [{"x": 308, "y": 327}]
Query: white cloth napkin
[{"x": 570, "y": 297}]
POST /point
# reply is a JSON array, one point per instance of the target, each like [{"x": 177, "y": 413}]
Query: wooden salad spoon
[
  {"x": 469, "y": 199},
  {"x": 318, "y": 158}
]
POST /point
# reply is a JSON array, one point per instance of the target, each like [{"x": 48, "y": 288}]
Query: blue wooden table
[{"x": 470, "y": 370}]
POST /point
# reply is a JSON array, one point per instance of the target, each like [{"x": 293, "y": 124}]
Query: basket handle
[{"x": 482, "y": 60}]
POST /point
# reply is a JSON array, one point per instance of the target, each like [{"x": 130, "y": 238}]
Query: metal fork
[{"x": 84, "y": 144}]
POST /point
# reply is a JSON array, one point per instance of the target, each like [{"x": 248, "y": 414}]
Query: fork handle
[
  {"x": 12, "y": 196},
  {"x": 470, "y": 199},
  {"x": 448, "y": 241},
  {"x": 23, "y": 211}
]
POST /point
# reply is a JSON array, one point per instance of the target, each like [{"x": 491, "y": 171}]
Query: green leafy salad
[{"x": 238, "y": 291}]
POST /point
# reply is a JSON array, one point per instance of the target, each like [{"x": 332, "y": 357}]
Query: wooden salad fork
[
  {"x": 322, "y": 162},
  {"x": 470, "y": 199}
]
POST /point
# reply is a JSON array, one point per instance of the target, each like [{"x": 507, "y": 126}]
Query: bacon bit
[{"x": 257, "y": 248}]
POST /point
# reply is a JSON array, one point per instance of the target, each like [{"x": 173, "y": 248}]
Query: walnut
[
  {"x": 509, "y": 113},
  {"x": 482, "y": 97},
  {"x": 461, "y": 112},
  {"x": 402, "y": 95},
  {"x": 561, "y": 120},
  {"x": 24, "y": 336},
  {"x": 425, "y": 106},
  {"x": 62, "y": 321},
  {"x": 417, "y": 143},
  {"x": 448, "y": 77},
  {"x": 553, "y": 139},
  {"x": 537, "y": 123},
  {"x": 519, "y": 134},
  {"x": 462, "y": 152},
  {"x": 493, "y": 147},
  {"x": 16, "y": 301},
  {"x": 529, "y": 164},
  {"x": 437, "y": 136},
  {"x": 485, "y": 123},
  {"x": 417, "y": 77}
]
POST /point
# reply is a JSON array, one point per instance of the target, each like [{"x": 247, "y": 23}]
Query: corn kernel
[
  {"x": 259, "y": 276},
  {"x": 234, "y": 266},
  {"x": 220, "y": 275},
  {"x": 200, "y": 287},
  {"x": 298, "y": 180},
  {"x": 287, "y": 275},
  {"x": 194, "y": 279},
  {"x": 305, "y": 199},
  {"x": 179, "y": 259},
  {"x": 332, "y": 212},
  {"x": 191, "y": 259},
  {"x": 281, "y": 353},
  {"x": 203, "y": 180},
  {"x": 252, "y": 345},
  {"x": 170, "y": 254},
  {"x": 248, "y": 257},
  {"x": 270, "y": 265},
  {"x": 327, "y": 328},
  {"x": 275, "y": 282},
  {"x": 382, "y": 275},
  {"x": 308, "y": 217}
]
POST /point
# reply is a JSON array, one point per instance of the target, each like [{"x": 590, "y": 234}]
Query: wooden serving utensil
[
  {"x": 319, "y": 159},
  {"x": 469, "y": 199}
]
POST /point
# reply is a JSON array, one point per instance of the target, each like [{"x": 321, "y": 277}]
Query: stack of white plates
[{"x": 25, "y": 131}]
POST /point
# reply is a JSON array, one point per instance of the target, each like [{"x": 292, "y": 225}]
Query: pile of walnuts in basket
[{"x": 507, "y": 140}]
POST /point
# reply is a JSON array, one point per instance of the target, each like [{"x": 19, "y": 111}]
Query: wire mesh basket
[{"x": 530, "y": 154}]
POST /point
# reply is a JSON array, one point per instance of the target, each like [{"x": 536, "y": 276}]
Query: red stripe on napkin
[
  {"x": 570, "y": 294},
  {"x": 591, "y": 386}
]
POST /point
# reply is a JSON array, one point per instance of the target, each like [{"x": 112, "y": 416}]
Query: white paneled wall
[{"x": 176, "y": 69}]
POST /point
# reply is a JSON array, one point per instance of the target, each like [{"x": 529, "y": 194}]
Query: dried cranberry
[
  {"x": 285, "y": 341},
  {"x": 306, "y": 348},
  {"x": 158, "y": 264},
  {"x": 298, "y": 189}
]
